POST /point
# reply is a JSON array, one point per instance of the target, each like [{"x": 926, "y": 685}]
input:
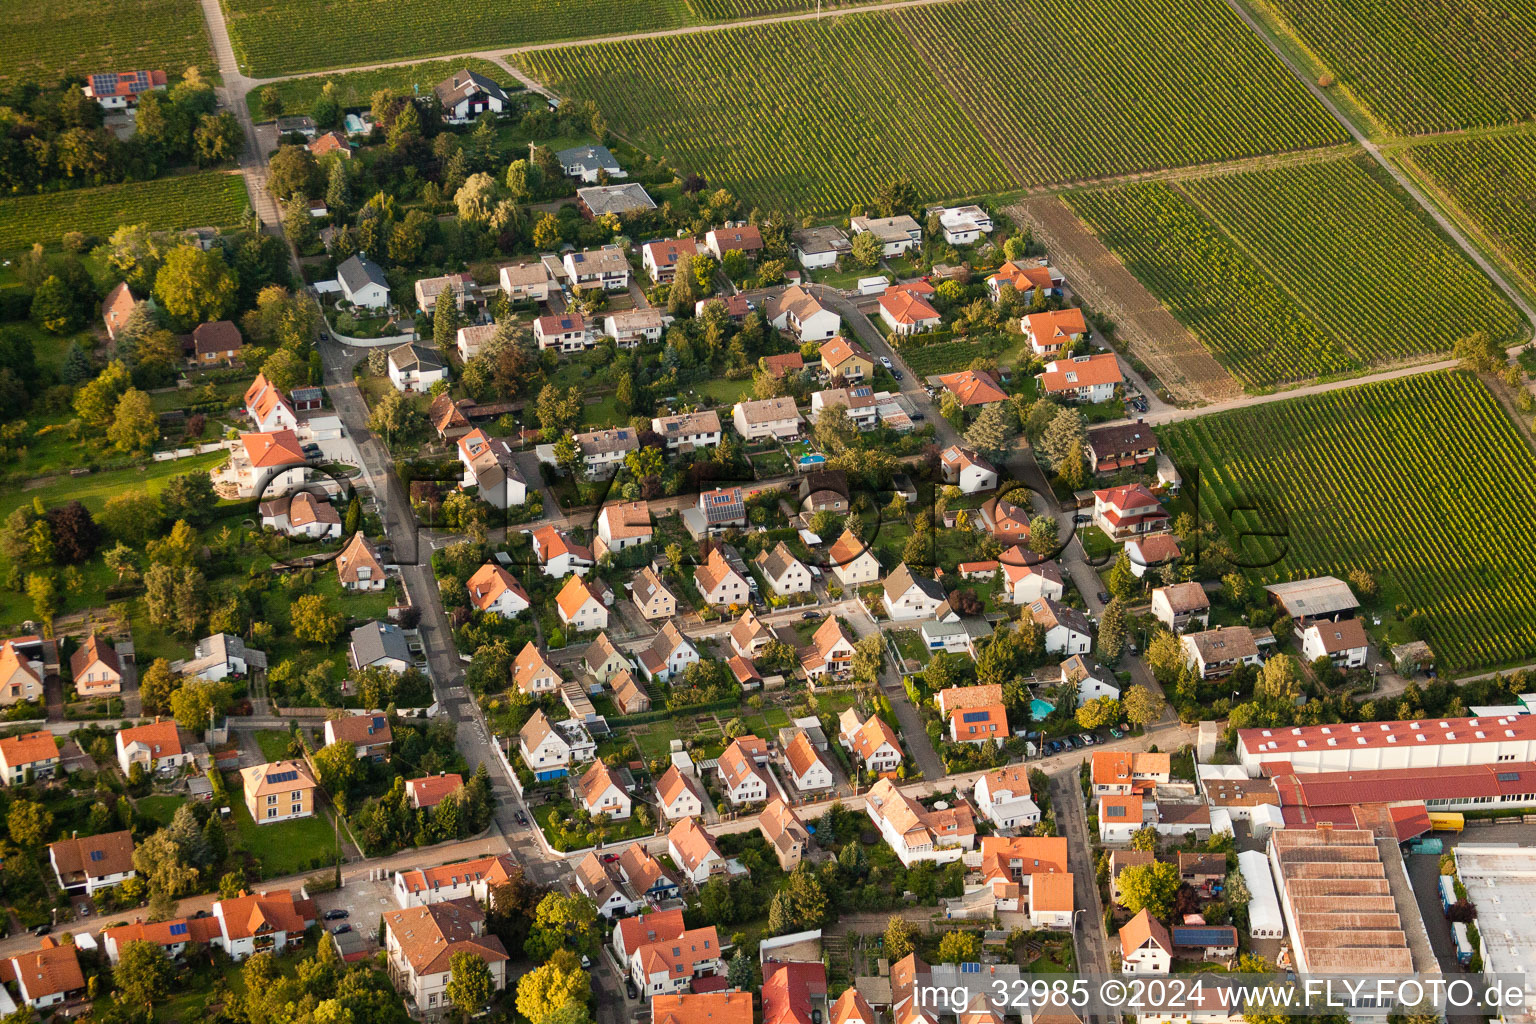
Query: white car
[{"x": 885, "y": 362}]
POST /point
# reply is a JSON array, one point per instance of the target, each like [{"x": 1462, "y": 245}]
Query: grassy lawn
[
  {"x": 602, "y": 413},
  {"x": 356, "y": 88},
  {"x": 770, "y": 464},
  {"x": 284, "y": 847},
  {"x": 273, "y": 743},
  {"x": 94, "y": 490},
  {"x": 158, "y": 807},
  {"x": 910, "y": 643},
  {"x": 724, "y": 392},
  {"x": 1096, "y": 543}
]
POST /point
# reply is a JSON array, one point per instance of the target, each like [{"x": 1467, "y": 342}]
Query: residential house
[
  {"x": 1119, "y": 860},
  {"x": 544, "y": 750},
  {"x": 795, "y": 310},
  {"x": 1181, "y": 605},
  {"x": 415, "y": 367},
  {"x": 660, "y": 258},
  {"x": 600, "y": 880},
  {"x": 362, "y": 282},
  {"x": 603, "y": 451},
  {"x": 897, "y": 235},
  {"x": 279, "y": 791},
  {"x": 672, "y": 965},
  {"x": 689, "y": 431},
  {"x": 723, "y": 508},
  {"x": 242, "y": 926},
  {"x": 1152, "y": 550},
  {"x": 220, "y": 656},
  {"x": 264, "y": 464},
  {"x": 807, "y": 770},
  {"x": 490, "y": 466},
  {"x": 629, "y": 695},
  {"x": 872, "y": 741},
  {"x": 426, "y": 793},
  {"x": 1145, "y": 946},
  {"x": 1027, "y": 874},
  {"x": 743, "y": 238},
  {"x": 447, "y": 883},
  {"x": 742, "y": 780},
  {"x": 86, "y": 866},
  {"x": 1093, "y": 680},
  {"x": 268, "y": 408},
  {"x": 964, "y": 225},
  {"x": 852, "y": 1008},
  {"x": 1217, "y": 652},
  {"x": 358, "y": 566},
  {"x": 302, "y": 515},
  {"x": 460, "y": 288},
  {"x": 379, "y": 645},
  {"x": 676, "y": 796},
  {"x": 1203, "y": 872},
  {"x": 1053, "y": 331},
  {"x": 631, "y": 327},
  {"x": 529, "y": 281},
  {"x": 531, "y": 673},
  {"x": 589, "y": 163},
  {"x": 1003, "y": 797},
  {"x": 116, "y": 307},
  {"x": 1066, "y": 629},
  {"x": 718, "y": 583},
  {"x": 1127, "y": 512},
  {"x": 819, "y": 247},
  {"x": 916, "y": 833},
  {"x": 784, "y": 832},
  {"x": 852, "y": 562},
  {"x": 494, "y": 590},
  {"x": 155, "y": 745},
  {"x": 652, "y": 596},
  {"x": 1091, "y": 379},
  {"x": 369, "y": 734},
  {"x": 466, "y": 94},
  {"x": 953, "y": 636},
  {"x": 21, "y": 677},
  {"x": 1029, "y": 577},
  {"x": 776, "y": 418},
  {"x": 695, "y": 853},
  {"x": 979, "y": 725},
  {"x": 1032, "y": 280},
  {"x": 579, "y": 606},
  {"x": 96, "y": 669},
  {"x": 420, "y": 944},
  {"x": 32, "y": 755},
  {"x": 907, "y": 313},
  {"x": 217, "y": 341},
  {"x": 782, "y": 364},
  {"x": 630, "y": 933},
  {"x": 597, "y": 201},
  {"x": 645, "y": 875},
  {"x": 785, "y": 573},
  {"x": 48, "y": 975},
  {"x": 909, "y": 596},
  {"x": 973, "y": 389},
  {"x": 1120, "y": 817},
  {"x": 558, "y": 555},
  {"x": 323, "y": 146},
  {"x": 669, "y": 654},
  {"x": 567, "y": 332},
  {"x": 966, "y": 470},
  {"x": 623, "y": 525},
  {"x": 1117, "y": 446},
  {"x": 117, "y": 90},
  {"x": 847, "y": 359},
  {"x": 830, "y": 652},
  {"x": 602, "y": 794},
  {"x": 1343, "y": 643},
  {"x": 823, "y": 490},
  {"x": 749, "y": 635},
  {"x": 1122, "y": 772},
  {"x": 606, "y": 268},
  {"x": 602, "y": 660}
]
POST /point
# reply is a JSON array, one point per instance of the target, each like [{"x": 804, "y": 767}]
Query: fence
[{"x": 187, "y": 453}]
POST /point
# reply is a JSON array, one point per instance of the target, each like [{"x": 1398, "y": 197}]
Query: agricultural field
[
  {"x": 45, "y": 42},
  {"x": 1420, "y": 66},
  {"x": 1253, "y": 263},
  {"x": 356, "y": 88},
  {"x": 1491, "y": 181},
  {"x": 812, "y": 116},
  {"x": 277, "y": 37},
  {"x": 1419, "y": 481},
  {"x": 211, "y": 199},
  {"x": 1106, "y": 70}
]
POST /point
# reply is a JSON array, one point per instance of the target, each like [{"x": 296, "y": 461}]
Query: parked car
[
  {"x": 885, "y": 362},
  {"x": 1104, "y": 597},
  {"x": 1116, "y": 733},
  {"x": 336, "y": 915},
  {"x": 810, "y": 615},
  {"x": 1073, "y": 742},
  {"x": 1087, "y": 738},
  {"x": 341, "y": 929},
  {"x": 522, "y": 819},
  {"x": 586, "y": 962},
  {"x": 609, "y": 858},
  {"x": 896, "y": 374},
  {"x": 630, "y": 989}
]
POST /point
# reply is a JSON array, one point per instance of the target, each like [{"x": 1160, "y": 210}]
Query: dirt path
[{"x": 1184, "y": 366}]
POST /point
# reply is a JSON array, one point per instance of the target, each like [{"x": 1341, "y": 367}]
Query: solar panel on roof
[
  {"x": 974, "y": 716},
  {"x": 1509, "y": 776},
  {"x": 98, "y": 855},
  {"x": 1202, "y": 936},
  {"x": 283, "y": 777},
  {"x": 179, "y": 928}
]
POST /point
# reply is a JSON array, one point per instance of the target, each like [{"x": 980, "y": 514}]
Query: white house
[
  {"x": 820, "y": 246},
  {"x": 632, "y": 327},
  {"x": 719, "y": 584},
  {"x": 603, "y": 451},
  {"x": 966, "y": 470},
  {"x": 47, "y": 975},
  {"x": 155, "y": 746},
  {"x": 916, "y": 833},
  {"x": 589, "y": 163},
  {"x": 964, "y": 225},
  {"x": 897, "y": 234},
  {"x": 1003, "y": 797},
  {"x": 494, "y": 590},
  {"x": 1066, "y": 629},
  {"x": 797, "y": 311},
  {"x": 1120, "y": 817},
  {"x": 579, "y": 607},
  {"x": 544, "y": 750},
  {"x": 567, "y": 332},
  {"x": 694, "y": 852},
  {"x": 1344, "y": 643},
  {"x": 220, "y": 656},
  {"x": 362, "y": 282},
  {"x": 669, "y": 654},
  {"x": 1090, "y": 379},
  {"x": 1216, "y": 652},
  {"x": 379, "y": 645},
  {"x": 88, "y": 865},
  {"x": 1145, "y": 947},
  {"x": 852, "y": 562},
  {"x": 625, "y": 524},
  {"x": 785, "y": 573},
  {"x": 490, "y": 466},
  {"x": 776, "y": 418},
  {"x": 1093, "y": 680},
  {"x": 1028, "y": 577},
  {"x": 528, "y": 281},
  {"x": 468, "y": 94},
  {"x": 1181, "y": 605},
  {"x": 872, "y": 741},
  {"x": 742, "y": 779},
  {"x": 459, "y": 880},
  {"x": 1128, "y": 512},
  {"x": 689, "y": 431},
  {"x": 558, "y": 555},
  {"x": 415, "y": 367},
  {"x": 117, "y": 90},
  {"x": 602, "y": 794},
  {"x": 606, "y": 268},
  {"x": 268, "y": 408},
  {"x": 805, "y": 766},
  {"x": 908, "y": 596},
  {"x": 420, "y": 944},
  {"x": 676, "y": 796},
  {"x": 301, "y": 515}
]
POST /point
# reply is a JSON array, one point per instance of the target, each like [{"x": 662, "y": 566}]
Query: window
[{"x": 271, "y": 798}]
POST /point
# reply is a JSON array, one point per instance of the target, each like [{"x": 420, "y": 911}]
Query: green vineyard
[
  {"x": 1423, "y": 66},
  {"x": 1493, "y": 181},
  {"x": 44, "y": 42},
  {"x": 1295, "y": 273},
  {"x": 165, "y": 204},
  {"x": 809, "y": 115},
  {"x": 1104, "y": 74},
  {"x": 356, "y": 88},
  {"x": 815, "y": 116},
  {"x": 1423, "y": 482}
]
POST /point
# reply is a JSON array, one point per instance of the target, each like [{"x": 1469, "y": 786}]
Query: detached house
[
  {"x": 897, "y": 234},
  {"x": 215, "y": 342},
  {"x": 623, "y": 525},
  {"x": 494, "y": 590},
  {"x": 872, "y": 741},
  {"x": 795, "y": 310},
  {"x": 906, "y": 312},
  {"x": 741, "y": 779},
  {"x": 980, "y": 725},
  {"x": 776, "y": 418},
  {"x": 973, "y": 389},
  {"x": 1121, "y": 772},
  {"x": 722, "y": 508},
  {"x": 544, "y": 750},
  {"x": 445, "y": 883},
  {"x": 672, "y": 965},
  {"x": 818, "y": 247},
  {"x": 565, "y": 332},
  {"x": 268, "y": 408},
  {"x": 531, "y": 673},
  {"x": 805, "y": 766},
  {"x": 370, "y": 735},
  {"x": 689, "y": 431},
  {"x": 362, "y": 282},
  {"x": 843, "y": 358},
  {"x": 1003, "y": 797},
  {"x": 749, "y": 635},
  {"x": 1343, "y": 643},
  {"x": 603, "y": 451},
  {"x": 602, "y": 794},
  {"x": 1066, "y": 629},
  {"x": 676, "y": 796},
  {"x": 21, "y": 677},
  {"x": 1091, "y": 379},
  {"x": 96, "y": 668},
  {"x": 526, "y": 282},
  {"x": 579, "y": 607},
  {"x": 660, "y": 258},
  {"x": 379, "y": 645},
  {"x": 558, "y": 555},
  {"x": 631, "y": 327},
  {"x": 830, "y": 652},
  {"x": 852, "y": 562},
  {"x": 695, "y": 853},
  {"x": 966, "y": 470},
  {"x": 420, "y": 944},
  {"x": 1118, "y": 446},
  {"x": 468, "y": 94},
  {"x": 32, "y": 755},
  {"x": 358, "y": 566},
  {"x": 1216, "y": 652},
  {"x": 1128, "y": 512},
  {"x": 743, "y": 238},
  {"x": 1032, "y": 280},
  {"x": 589, "y": 163},
  {"x": 86, "y": 866},
  {"x": 628, "y": 695},
  {"x": 1181, "y": 605},
  {"x": 916, "y": 833},
  {"x": 718, "y": 583},
  {"x": 1029, "y": 577},
  {"x": 116, "y": 307},
  {"x": 264, "y": 465},
  {"x": 490, "y": 466},
  {"x": 1145, "y": 947},
  {"x": 785, "y": 573},
  {"x": 117, "y": 90},
  {"x": 1050, "y": 332},
  {"x": 426, "y": 793},
  {"x": 302, "y": 515},
  {"x": 669, "y": 655},
  {"x": 787, "y": 837},
  {"x": 606, "y": 268},
  {"x": 48, "y": 975},
  {"x": 908, "y": 596},
  {"x": 279, "y": 791},
  {"x": 603, "y": 661},
  {"x": 155, "y": 746}
]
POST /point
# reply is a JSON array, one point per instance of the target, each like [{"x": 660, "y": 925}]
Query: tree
[
  {"x": 313, "y": 621},
  {"x": 959, "y": 947},
  {"x": 338, "y": 189},
  {"x": 75, "y": 534},
  {"x": 337, "y": 765},
  {"x": 396, "y": 417},
  {"x": 195, "y": 286},
  {"x": 1280, "y": 679},
  {"x": 271, "y": 102},
  {"x": 469, "y": 984},
  {"x": 546, "y": 233},
  {"x": 142, "y": 973},
  {"x": 1065, "y": 427},
  {"x": 867, "y": 250},
  {"x": 292, "y": 169},
  {"x": 1112, "y": 631},
  {"x": 834, "y": 429},
  {"x": 1044, "y": 539},
  {"x": 869, "y": 657},
  {"x": 1121, "y": 579},
  {"x": 1480, "y": 353},
  {"x": 217, "y": 138},
  {"x": 135, "y": 426},
  {"x": 193, "y": 701},
  {"x": 952, "y": 411},
  {"x": 29, "y": 824},
  {"x": 190, "y": 498},
  {"x": 553, "y": 984},
  {"x": 476, "y": 200},
  {"x": 900, "y": 937},
  {"x": 298, "y": 224},
  {"x": 1098, "y": 712},
  {"x": 97, "y": 401},
  {"x": 1144, "y": 839},
  {"x": 1150, "y": 887},
  {"x": 684, "y": 291},
  {"x": 1141, "y": 706},
  {"x": 54, "y": 308},
  {"x": 44, "y": 595},
  {"x": 991, "y": 432}
]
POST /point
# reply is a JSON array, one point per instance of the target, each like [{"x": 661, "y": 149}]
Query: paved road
[{"x": 1088, "y": 923}]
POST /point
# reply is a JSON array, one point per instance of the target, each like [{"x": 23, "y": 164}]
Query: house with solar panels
[
  {"x": 118, "y": 90},
  {"x": 279, "y": 791},
  {"x": 93, "y": 863},
  {"x": 1205, "y": 941}
]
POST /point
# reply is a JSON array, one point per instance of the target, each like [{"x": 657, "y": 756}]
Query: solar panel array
[
  {"x": 1215, "y": 936},
  {"x": 179, "y": 928},
  {"x": 975, "y": 716},
  {"x": 283, "y": 777},
  {"x": 98, "y": 855}
]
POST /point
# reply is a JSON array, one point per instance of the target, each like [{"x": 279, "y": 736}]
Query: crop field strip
[
  {"x": 1421, "y": 66},
  {"x": 1421, "y": 481},
  {"x": 805, "y": 115},
  {"x": 356, "y": 88},
  {"x": 1492, "y": 181},
  {"x": 1295, "y": 273},
  {"x": 211, "y": 198},
  {"x": 43, "y": 42}
]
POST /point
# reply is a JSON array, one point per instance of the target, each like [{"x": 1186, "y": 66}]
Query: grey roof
[
  {"x": 626, "y": 198},
  {"x": 588, "y": 158},
  {"x": 466, "y": 83},
  {"x": 904, "y": 579},
  {"x": 414, "y": 357},
  {"x": 1322, "y": 595},
  {"x": 358, "y": 271},
  {"x": 375, "y": 641},
  {"x": 218, "y": 649}
]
